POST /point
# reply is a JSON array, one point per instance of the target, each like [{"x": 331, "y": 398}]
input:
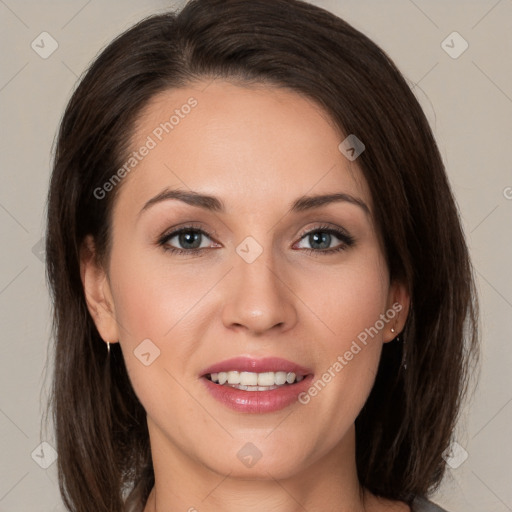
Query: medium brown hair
[{"x": 408, "y": 419}]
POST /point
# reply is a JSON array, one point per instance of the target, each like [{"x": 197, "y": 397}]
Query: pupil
[
  {"x": 184, "y": 238},
  {"x": 325, "y": 235}
]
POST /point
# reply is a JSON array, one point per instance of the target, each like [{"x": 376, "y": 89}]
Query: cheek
[
  {"x": 153, "y": 304},
  {"x": 155, "y": 301},
  {"x": 153, "y": 295},
  {"x": 347, "y": 298},
  {"x": 348, "y": 354}
]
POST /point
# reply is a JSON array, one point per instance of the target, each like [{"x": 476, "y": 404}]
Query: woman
[{"x": 248, "y": 371}]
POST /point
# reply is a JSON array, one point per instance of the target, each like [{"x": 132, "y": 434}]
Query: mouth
[
  {"x": 256, "y": 385},
  {"x": 251, "y": 381}
]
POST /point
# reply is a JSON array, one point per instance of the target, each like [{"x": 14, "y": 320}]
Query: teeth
[
  {"x": 233, "y": 378},
  {"x": 265, "y": 379},
  {"x": 280, "y": 378},
  {"x": 250, "y": 381}
]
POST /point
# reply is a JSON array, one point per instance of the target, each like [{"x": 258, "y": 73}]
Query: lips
[
  {"x": 257, "y": 399},
  {"x": 249, "y": 364}
]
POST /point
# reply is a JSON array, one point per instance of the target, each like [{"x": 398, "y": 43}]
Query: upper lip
[{"x": 251, "y": 364}]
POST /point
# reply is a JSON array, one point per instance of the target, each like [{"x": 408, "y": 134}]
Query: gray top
[{"x": 423, "y": 505}]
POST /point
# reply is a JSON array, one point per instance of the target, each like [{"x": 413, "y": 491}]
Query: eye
[
  {"x": 188, "y": 237},
  {"x": 327, "y": 233}
]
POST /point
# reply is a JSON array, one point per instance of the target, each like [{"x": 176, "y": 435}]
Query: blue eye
[
  {"x": 189, "y": 237},
  {"x": 326, "y": 239}
]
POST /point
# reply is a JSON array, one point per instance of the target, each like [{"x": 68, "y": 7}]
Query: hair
[{"x": 407, "y": 423}]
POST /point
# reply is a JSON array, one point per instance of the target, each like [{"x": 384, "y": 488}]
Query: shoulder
[{"x": 423, "y": 505}]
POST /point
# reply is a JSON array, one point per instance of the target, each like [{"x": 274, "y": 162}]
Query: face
[{"x": 256, "y": 279}]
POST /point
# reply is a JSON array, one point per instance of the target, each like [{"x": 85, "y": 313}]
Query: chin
[{"x": 250, "y": 467}]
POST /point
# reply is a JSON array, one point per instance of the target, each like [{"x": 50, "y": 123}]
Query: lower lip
[{"x": 257, "y": 401}]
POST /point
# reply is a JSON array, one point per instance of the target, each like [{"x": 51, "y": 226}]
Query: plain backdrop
[{"x": 468, "y": 101}]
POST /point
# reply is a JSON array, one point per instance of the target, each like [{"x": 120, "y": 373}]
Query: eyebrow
[{"x": 214, "y": 204}]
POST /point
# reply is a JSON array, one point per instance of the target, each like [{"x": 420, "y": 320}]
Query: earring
[
  {"x": 393, "y": 330},
  {"x": 108, "y": 347}
]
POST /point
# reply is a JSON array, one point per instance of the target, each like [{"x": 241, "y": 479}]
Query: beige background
[{"x": 468, "y": 101}]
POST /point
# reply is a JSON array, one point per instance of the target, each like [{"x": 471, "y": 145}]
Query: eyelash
[{"x": 347, "y": 241}]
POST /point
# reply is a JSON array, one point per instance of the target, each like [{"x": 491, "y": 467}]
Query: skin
[{"x": 257, "y": 148}]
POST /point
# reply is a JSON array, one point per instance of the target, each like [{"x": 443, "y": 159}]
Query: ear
[
  {"x": 97, "y": 291},
  {"x": 399, "y": 303}
]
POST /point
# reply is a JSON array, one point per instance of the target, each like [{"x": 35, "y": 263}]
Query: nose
[{"x": 258, "y": 299}]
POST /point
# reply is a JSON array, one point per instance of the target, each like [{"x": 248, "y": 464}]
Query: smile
[{"x": 256, "y": 385}]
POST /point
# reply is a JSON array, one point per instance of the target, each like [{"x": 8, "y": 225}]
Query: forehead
[{"x": 249, "y": 144}]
